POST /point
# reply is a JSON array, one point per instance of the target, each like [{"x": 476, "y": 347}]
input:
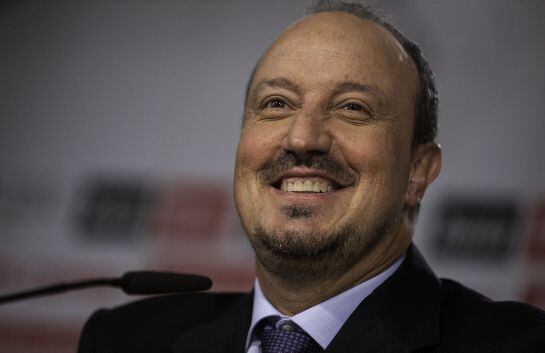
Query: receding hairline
[
  {"x": 293, "y": 27},
  {"x": 426, "y": 100}
]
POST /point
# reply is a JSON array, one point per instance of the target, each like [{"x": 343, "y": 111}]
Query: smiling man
[
  {"x": 327, "y": 177},
  {"x": 336, "y": 151}
]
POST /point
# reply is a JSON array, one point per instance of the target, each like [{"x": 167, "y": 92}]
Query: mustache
[{"x": 323, "y": 162}]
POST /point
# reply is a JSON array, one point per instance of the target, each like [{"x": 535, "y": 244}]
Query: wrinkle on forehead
[
  {"x": 331, "y": 64},
  {"x": 344, "y": 34}
]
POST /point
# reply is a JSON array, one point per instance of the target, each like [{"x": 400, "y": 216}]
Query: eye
[
  {"x": 354, "y": 111},
  {"x": 275, "y": 103},
  {"x": 353, "y": 107},
  {"x": 274, "y": 108}
]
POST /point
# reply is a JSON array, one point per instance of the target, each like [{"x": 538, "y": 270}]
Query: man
[{"x": 336, "y": 151}]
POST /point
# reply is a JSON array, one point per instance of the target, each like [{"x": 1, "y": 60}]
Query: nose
[{"x": 307, "y": 135}]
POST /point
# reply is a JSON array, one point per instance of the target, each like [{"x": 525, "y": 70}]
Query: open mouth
[{"x": 306, "y": 185}]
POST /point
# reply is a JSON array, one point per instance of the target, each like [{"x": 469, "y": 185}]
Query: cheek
[
  {"x": 243, "y": 188},
  {"x": 247, "y": 157},
  {"x": 257, "y": 145},
  {"x": 372, "y": 151},
  {"x": 255, "y": 149},
  {"x": 382, "y": 162}
]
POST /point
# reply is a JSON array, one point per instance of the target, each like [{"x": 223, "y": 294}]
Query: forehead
[{"x": 330, "y": 47}]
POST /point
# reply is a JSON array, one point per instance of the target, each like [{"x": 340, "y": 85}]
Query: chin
[{"x": 295, "y": 249}]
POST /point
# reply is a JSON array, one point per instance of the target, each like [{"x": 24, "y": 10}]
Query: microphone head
[{"x": 151, "y": 282}]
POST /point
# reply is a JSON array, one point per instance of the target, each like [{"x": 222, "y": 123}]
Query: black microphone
[
  {"x": 136, "y": 283},
  {"x": 151, "y": 282}
]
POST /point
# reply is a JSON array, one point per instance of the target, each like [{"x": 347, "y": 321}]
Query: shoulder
[
  {"x": 179, "y": 309},
  {"x": 469, "y": 317},
  {"x": 151, "y": 321}
]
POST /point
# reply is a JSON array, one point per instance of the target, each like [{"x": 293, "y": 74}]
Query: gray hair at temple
[{"x": 427, "y": 105}]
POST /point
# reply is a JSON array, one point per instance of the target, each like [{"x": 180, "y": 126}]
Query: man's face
[{"x": 324, "y": 159}]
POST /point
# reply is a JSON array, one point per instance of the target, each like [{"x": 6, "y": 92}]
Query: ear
[{"x": 425, "y": 167}]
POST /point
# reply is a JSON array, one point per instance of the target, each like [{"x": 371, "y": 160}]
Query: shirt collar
[{"x": 323, "y": 321}]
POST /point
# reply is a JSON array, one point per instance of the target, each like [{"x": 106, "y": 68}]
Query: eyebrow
[
  {"x": 349, "y": 86},
  {"x": 279, "y": 82}
]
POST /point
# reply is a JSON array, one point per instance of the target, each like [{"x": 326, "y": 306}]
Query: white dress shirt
[{"x": 323, "y": 321}]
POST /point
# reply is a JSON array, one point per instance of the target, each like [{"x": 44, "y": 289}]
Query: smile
[
  {"x": 311, "y": 185},
  {"x": 299, "y": 180}
]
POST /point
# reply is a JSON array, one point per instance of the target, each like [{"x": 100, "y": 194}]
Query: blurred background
[{"x": 119, "y": 122}]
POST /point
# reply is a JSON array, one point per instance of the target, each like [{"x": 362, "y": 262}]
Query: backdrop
[{"x": 119, "y": 122}]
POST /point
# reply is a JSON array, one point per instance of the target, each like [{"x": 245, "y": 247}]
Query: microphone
[
  {"x": 151, "y": 282},
  {"x": 135, "y": 283}
]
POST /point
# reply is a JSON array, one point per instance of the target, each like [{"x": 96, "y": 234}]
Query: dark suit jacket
[{"x": 412, "y": 311}]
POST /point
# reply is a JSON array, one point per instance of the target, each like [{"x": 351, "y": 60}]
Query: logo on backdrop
[
  {"x": 535, "y": 246},
  {"x": 113, "y": 209},
  {"x": 476, "y": 228},
  {"x": 122, "y": 209}
]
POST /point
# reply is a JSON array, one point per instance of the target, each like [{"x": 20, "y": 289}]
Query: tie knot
[{"x": 284, "y": 336}]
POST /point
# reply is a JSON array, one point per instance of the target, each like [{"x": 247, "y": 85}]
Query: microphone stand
[
  {"x": 59, "y": 288},
  {"x": 135, "y": 282}
]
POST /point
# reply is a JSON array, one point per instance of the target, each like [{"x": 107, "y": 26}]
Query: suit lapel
[
  {"x": 401, "y": 315},
  {"x": 226, "y": 334}
]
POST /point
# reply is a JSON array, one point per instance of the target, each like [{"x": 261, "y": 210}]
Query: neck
[{"x": 292, "y": 297}]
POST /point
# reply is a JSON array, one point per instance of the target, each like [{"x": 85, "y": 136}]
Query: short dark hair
[{"x": 425, "y": 129}]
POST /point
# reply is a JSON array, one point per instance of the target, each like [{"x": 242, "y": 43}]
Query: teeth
[{"x": 306, "y": 186}]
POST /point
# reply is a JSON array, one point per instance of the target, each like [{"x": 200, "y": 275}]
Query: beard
[{"x": 302, "y": 256}]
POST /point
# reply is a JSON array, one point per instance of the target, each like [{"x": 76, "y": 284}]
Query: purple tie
[{"x": 285, "y": 337}]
